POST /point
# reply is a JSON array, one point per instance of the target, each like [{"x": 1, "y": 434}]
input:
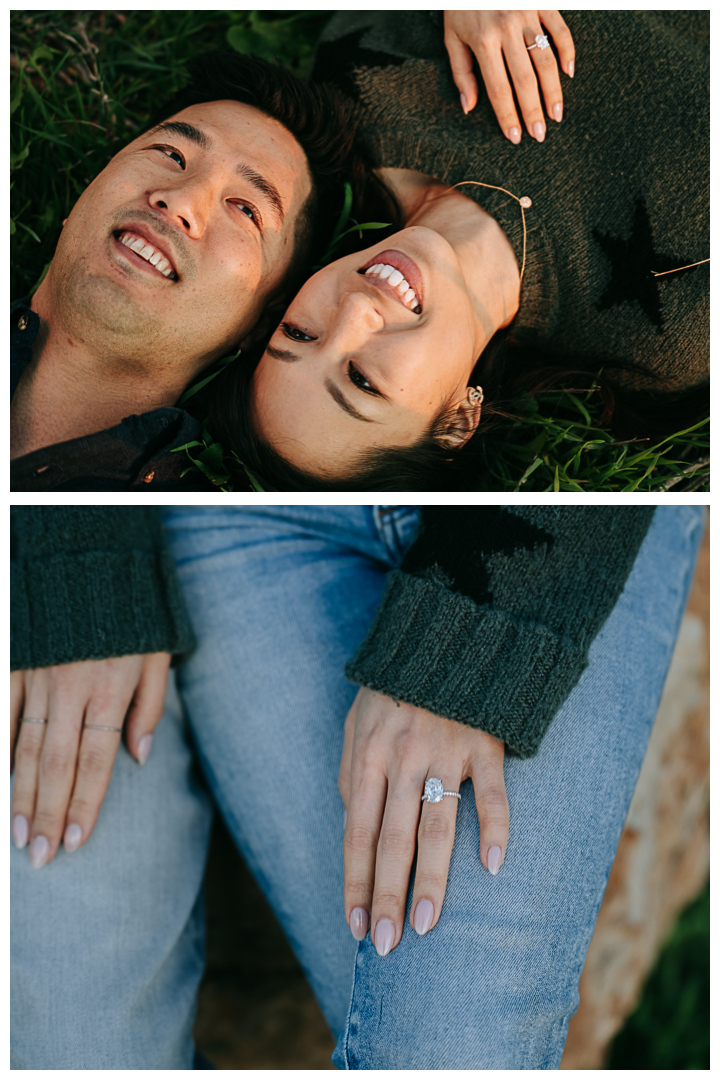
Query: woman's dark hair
[
  {"x": 506, "y": 370},
  {"x": 309, "y": 113}
]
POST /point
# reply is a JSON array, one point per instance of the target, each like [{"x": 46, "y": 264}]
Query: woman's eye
[
  {"x": 295, "y": 333},
  {"x": 358, "y": 379},
  {"x": 174, "y": 155}
]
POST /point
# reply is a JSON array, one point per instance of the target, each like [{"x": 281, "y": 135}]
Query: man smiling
[{"x": 166, "y": 263}]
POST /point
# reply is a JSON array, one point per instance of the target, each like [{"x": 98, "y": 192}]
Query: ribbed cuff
[
  {"x": 94, "y": 605},
  {"x": 435, "y": 649}
]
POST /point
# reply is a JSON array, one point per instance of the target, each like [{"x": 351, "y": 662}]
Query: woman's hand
[
  {"x": 390, "y": 750},
  {"x": 499, "y": 38},
  {"x": 62, "y": 768}
]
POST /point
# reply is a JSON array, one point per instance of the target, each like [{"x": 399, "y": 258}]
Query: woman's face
[{"x": 355, "y": 364}]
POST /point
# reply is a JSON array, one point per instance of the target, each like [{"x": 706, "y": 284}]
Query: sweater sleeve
[
  {"x": 90, "y": 582},
  {"x": 491, "y": 616}
]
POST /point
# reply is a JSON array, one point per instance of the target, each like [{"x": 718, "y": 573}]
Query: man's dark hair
[{"x": 307, "y": 112}]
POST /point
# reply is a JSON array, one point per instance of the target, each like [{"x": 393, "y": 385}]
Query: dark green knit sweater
[
  {"x": 489, "y": 621},
  {"x": 620, "y": 188},
  {"x": 88, "y": 582}
]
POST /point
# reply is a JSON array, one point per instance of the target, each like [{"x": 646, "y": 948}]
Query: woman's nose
[{"x": 356, "y": 317}]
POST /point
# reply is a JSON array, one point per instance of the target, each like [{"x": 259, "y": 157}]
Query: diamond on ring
[
  {"x": 433, "y": 790},
  {"x": 541, "y": 41}
]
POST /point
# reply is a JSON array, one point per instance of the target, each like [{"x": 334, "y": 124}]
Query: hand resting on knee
[
  {"x": 390, "y": 750},
  {"x": 63, "y": 765}
]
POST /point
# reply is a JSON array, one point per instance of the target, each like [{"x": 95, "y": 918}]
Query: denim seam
[{"x": 346, "y": 1034}]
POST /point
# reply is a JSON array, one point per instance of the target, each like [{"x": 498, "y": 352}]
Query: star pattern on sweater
[
  {"x": 632, "y": 261},
  {"x": 456, "y": 542}
]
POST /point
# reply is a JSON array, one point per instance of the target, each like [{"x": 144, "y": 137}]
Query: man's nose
[{"x": 186, "y": 206}]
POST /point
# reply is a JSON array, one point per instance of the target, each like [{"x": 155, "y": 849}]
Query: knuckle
[
  {"x": 360, "y": 839},
  {"x": 526, "y": 82},
  {"x": 394, "y": 841},
  {"x": 27, "y": 752},
  {"x": 56, "y": 763},
  {"x": 81, "y": 808},
  {"x": 435, "y": 827},
  {"x": 432, "y": 881},
  {"x": 387, "y": 899},
  {"x": 92, "y": 762},
  {"x": 357, "y": 888}
]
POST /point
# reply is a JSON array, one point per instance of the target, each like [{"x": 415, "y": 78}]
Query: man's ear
[{"x": 462, "y": 426}]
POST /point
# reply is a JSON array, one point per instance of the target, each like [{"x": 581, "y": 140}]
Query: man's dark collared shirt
[{"x": 135, "y": 455}]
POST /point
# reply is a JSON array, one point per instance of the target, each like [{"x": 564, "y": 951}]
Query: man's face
[{"x": 214, "y": 195}]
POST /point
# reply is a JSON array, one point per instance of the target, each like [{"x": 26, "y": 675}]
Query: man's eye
[
  {"x": 245, "y": 209},
  {"x": 358, "y": 379},
  {"x": 295, "y": 333},
  {"x": 174, "y": 155}
]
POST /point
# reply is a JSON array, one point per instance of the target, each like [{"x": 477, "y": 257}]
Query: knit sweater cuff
[
  {"x": 440, "y": 651},
  {"x": 60, "y": 610}
]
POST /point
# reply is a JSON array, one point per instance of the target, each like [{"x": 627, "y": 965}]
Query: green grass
[
  {"x": 670, "y": 1028},
  {"x": 84, "y": 83}
]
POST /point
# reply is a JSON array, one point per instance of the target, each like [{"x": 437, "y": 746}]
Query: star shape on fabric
[
  {"x": 456, "y": 541},
  {"x": 632, "y": 261}
]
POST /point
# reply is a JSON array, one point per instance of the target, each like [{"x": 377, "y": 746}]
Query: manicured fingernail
[
  {"x": 494, "y": 859},
  {"x": 463, "y": 102},
  {"x": 358, "y": 923},
  {"x": 344, "y": 819},
  {"x": 39, "y": 851},
  {"x": 72, "y": 837},
  {"x": 423, "y": 916},
  {"x": 384, "y": 936},
  {"x": 514, "y": 135},
  {"x": 20, "y": 830},
  {"x": 144, "y": 748},
  {"x": 539, "y": 131},
  {"x": 571, "y": 69},
  {"x": 557, "y": 111}
]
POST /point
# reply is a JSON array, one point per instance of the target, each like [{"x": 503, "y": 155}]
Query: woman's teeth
[
  {"x": 398, "y": 282},
  {"x": 147, "y": 251}
]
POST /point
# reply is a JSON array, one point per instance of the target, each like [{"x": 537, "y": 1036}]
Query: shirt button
[
  {"x": 22, "y": 322},
  {"x": 149, "y": 478}
]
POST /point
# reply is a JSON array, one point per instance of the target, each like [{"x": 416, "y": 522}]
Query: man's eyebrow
[
  {"x": 185, "y": 131},
  {"x": 343, "y": 402},
  {"x": 263, "y": 185}
]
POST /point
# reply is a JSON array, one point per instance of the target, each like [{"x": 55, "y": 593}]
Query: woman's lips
[{"x": 406, "y": 267}]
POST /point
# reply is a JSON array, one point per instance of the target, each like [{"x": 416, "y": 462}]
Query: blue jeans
[{"x": 280, "y": 597}]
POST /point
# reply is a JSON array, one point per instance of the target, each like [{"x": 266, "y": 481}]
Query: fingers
[
  {"x": 547, "y": 72},
  {"x": 27, "y": 755},
  {"x": 491, "y": 802},
  {"x": 346, "y": 759},
  {"x": 499, "y": 91},
  {"x": 525, "y": 80},
  {"x": 147, "y": 706},
  {"x": 365, "y": 813},
  {"x": 17, "y": 696},
  {"x": 395, "y": 854},
  {"x": 436, "y": 836},
  {"x": 562, "y": 39},
  {"x": 461, "y": 62}
]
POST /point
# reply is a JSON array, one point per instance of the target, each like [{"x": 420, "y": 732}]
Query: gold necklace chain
[{"x": 524, "y": 202}]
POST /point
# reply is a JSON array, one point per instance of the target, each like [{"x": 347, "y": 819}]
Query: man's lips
[
  {"x": 392, "y": 272},
  {"x": 142, "y": 249}
]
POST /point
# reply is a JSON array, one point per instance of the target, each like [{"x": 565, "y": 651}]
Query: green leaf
[
  {"x": 12, "y": 227},
  {"x": 16, "y": 160},
  {"x": 40, "y": 280},
  {"x": 29, "y": 230}
]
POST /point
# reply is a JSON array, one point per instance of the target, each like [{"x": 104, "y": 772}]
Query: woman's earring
[{"x": 475, "y": 395}]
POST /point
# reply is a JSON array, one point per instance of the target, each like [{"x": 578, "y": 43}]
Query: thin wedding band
[
  {"x": 102, "y": 727},
  {"x": 33, "y": 720}
]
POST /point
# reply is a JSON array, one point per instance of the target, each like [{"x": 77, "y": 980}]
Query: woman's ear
[{"x": 463, "y": 424}]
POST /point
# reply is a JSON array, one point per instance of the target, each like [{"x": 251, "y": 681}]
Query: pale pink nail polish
[
  {"x": 144, "y": 748},
  {"x": 20, "y": 830},
  {"x": 39, "y": 851},
  {"x": 514, "y": 135},
  {"x": 557, "y": 111},
  {"x": 358, "y": 923},
  {"x": 423, "y": 916},
  {"x": 494, "y": 859},
  {"x": 463, "y": 102},
  {"x": 384, "y": 937},
  {"x": 571, "y": 69},
  {"x": 539, "y": 131},
  {"x": 72, "y": 837}
]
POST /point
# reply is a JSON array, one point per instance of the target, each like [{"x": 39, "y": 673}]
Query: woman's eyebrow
[{"x": 337, "y": 395}]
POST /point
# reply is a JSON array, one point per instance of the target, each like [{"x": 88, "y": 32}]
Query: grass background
[{"x": 84, "y": 83}]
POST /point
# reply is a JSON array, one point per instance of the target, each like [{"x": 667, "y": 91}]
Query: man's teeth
[
  {"x": 148, "y": 252},
  {"x": 398, "y": 282}
]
